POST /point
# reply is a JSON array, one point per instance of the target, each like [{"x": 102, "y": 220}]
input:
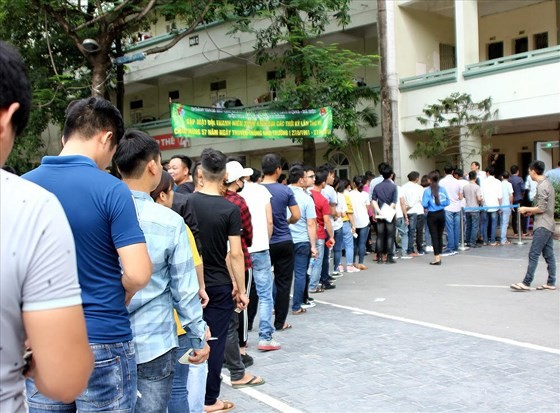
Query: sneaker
[
  {"x": 340, "y": 268},
  {"x": 429, "y": 248},
  {"x": 351, "y": 268},
  {"x": 309, "y": 304},
  {"x": 329, "y": 286},
  {"x": 247, "y": 360},
  {"x": 331, "y": 279},
  {"x": 406, "y": 257},
  {"x": 447, "y": 253},
  {"x": 310, "y": 299},
  {"x": 337, "y": 274},
  {"x": 421, "y": 253},
  {"x": 268, "y": 345}
]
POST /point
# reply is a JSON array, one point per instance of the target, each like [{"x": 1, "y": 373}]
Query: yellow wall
[
  {"x": 506, "y": 27},
  {"x": 418, "y": 35},
  {"x": 512, "y": 145}
]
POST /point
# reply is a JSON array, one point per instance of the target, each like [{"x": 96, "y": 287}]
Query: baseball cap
[{"x": 235, "y": 171}]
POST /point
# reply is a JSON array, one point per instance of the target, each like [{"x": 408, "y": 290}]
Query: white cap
[{"x": 235, "y": 171}]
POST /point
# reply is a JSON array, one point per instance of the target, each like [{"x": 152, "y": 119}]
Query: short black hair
[
  {"x": 386, "y": 171},
  {"x": 413, "y": 176},
  {"x": 295, "y": 173},
  {"x": 381, "y": 165},
  {"x": 135, "y": 150},
  {"x": 14, "y": 86},
  {"x": 342, "y": 185},
  {"x": 448, "y": 169},
  {"x": 326, "y": 167},
  {"x": 256, "y": 175},
  {"x": 505, "y": 175},
  {"x": 321, "y": 177},
  {"x": 472, "y": 175},
  {"x": 476, "y": 163},
  {"x": 458, "y": 171},
  {"x": 92, "y": 115},
  {"x": 187, "y": 162},
  {"x": 491, "y": 171},
  {"x": 270, "y": 163},
  {"x": 537, "y": 166},
  {"x": 281, "y": 178},
  {"x": 194, "y": 173},
  {"x": 213, "y": 163},
  {"x": 514, "y": 169},
  {"x": 369, "y": 175}
]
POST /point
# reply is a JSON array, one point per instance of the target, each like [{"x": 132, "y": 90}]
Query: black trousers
[
  {"x": 436, "y": 225},
  {"x": 217, "y": 315},
  {"x": 385, "y": 236},
  {"x": 282, "y": 258}
]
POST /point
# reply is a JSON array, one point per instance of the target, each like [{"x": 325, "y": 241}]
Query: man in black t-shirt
[
  {"x": 219, "y": 221},
  {"x": 179, "y": 168}
]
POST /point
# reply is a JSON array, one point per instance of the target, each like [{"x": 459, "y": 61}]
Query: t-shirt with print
[
  {"x": 322, "y": 208},
  {"x": 103, "y": 218},
  {"x": 257, "y": 198},
  {"x": 37, "y": 272},
  {"x": 282, "y": 198},
  {"x": 217, "y": 219}
]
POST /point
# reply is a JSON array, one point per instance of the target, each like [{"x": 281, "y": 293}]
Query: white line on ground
[
  {"x": 264, "y": 398},
  {"x": 448, "y": 329},
  {"x": 477, "y": 286}
]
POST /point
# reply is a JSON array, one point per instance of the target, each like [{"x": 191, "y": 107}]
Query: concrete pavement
[{"x": 412, "y": 337}]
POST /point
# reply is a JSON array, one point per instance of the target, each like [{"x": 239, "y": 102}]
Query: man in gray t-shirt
[
  {"x": 473, "y": 197},
  {"x": 543, "y": 230},
  {"x": 39, "y": 292}
]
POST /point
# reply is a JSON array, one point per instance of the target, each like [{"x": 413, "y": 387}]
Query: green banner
[{"x": 201, "y": 122}]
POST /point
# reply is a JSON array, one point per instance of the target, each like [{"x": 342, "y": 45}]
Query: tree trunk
[
  {"x": 100, "y": 65},
  {"x": 386, "y": 108},
  {"x": 120, "y": 77},
  {"x": 309, "y": 152}
]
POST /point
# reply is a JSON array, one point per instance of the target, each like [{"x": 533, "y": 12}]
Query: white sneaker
[
  {"x": 429, "y": 248},
  {"x": 351, "y": 268},
  {"x": 309, "y": 304},
  {"x": 268, "y": 345}
]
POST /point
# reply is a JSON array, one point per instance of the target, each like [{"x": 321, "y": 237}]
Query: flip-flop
[
  {"x": 520, "y": 287},
  {"x": 300, "y": 311},
  {"x": 546, "y": 287},
  {"x": 286, "y": 326},
  {"x": 227, "y": 406},
  {"x": 255, "y": 381}
]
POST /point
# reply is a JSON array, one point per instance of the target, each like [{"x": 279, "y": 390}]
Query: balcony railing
[
  {"x": 513, "y": 62},
  {"x": 428, "y": 79}
]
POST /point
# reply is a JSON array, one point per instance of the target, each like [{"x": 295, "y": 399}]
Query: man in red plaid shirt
[{"x": 236, "y": 358}]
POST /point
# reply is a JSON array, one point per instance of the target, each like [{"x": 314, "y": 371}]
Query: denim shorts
[{"x": 111, "y": 386}]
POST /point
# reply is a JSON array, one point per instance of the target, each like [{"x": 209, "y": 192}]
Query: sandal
[
  {"x": 286, "y": 326},
  {"x": 226, "y": 407},
  {"x": 520, "y": 287},
  {"x": 254, "y": 381},
  {"x": 546, "y": 287},
  {"x": 300, "y": 311}
]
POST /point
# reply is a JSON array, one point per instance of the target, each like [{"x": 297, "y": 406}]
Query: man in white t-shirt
[
  {"x": 40, "y": 295},
  {"x": 507, "y": 199},
  {"x": 412, "y": 192},
  {"x": 491, "y": 197},
  {"x": 258, "y": 201},
  {"x": 452, "y": 211}
]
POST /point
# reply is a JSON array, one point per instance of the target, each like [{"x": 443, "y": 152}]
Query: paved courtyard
[{"x": 412, "y": 337}]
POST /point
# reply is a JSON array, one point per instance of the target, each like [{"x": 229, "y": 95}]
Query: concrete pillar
[
  {"x": 470, "y": 149},
  {"x": 466, "y": 34}
]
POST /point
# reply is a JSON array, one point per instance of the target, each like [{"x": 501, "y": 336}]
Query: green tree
[
  {"x": 316, "y": 74},
  {"x": 451, "y": 123}
]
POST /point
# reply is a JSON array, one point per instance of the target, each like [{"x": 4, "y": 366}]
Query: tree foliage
[
  {"x": 316, "y": 74},
  {"x": 451, "y": 123}
]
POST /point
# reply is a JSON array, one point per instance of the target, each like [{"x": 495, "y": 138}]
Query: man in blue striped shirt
[{"x": 173, "y": 283}]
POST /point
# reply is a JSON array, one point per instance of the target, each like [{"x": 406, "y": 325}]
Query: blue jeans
[
  {"x": 302, "y": 250},
  {"x": 263, "y": 279},
  {"x": 155, "y": 378},
  {"x": 315, "y": 274},
  {"x": 506, "y": 212},
  {"x": 360, "y": 243},
  {"x": 493, "y": 217},
  {"x": 348, "y": 240},
  {"x": 337, "y": 249},
  {"x": 189, "y": 383},
  {"x": 543, "y": 243},
  {"x": 472, "y": 227},
  {"x": 402, "y": 230},
  {"x": 111, "y": 386},
  {"x": 453, "y": 229}
]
